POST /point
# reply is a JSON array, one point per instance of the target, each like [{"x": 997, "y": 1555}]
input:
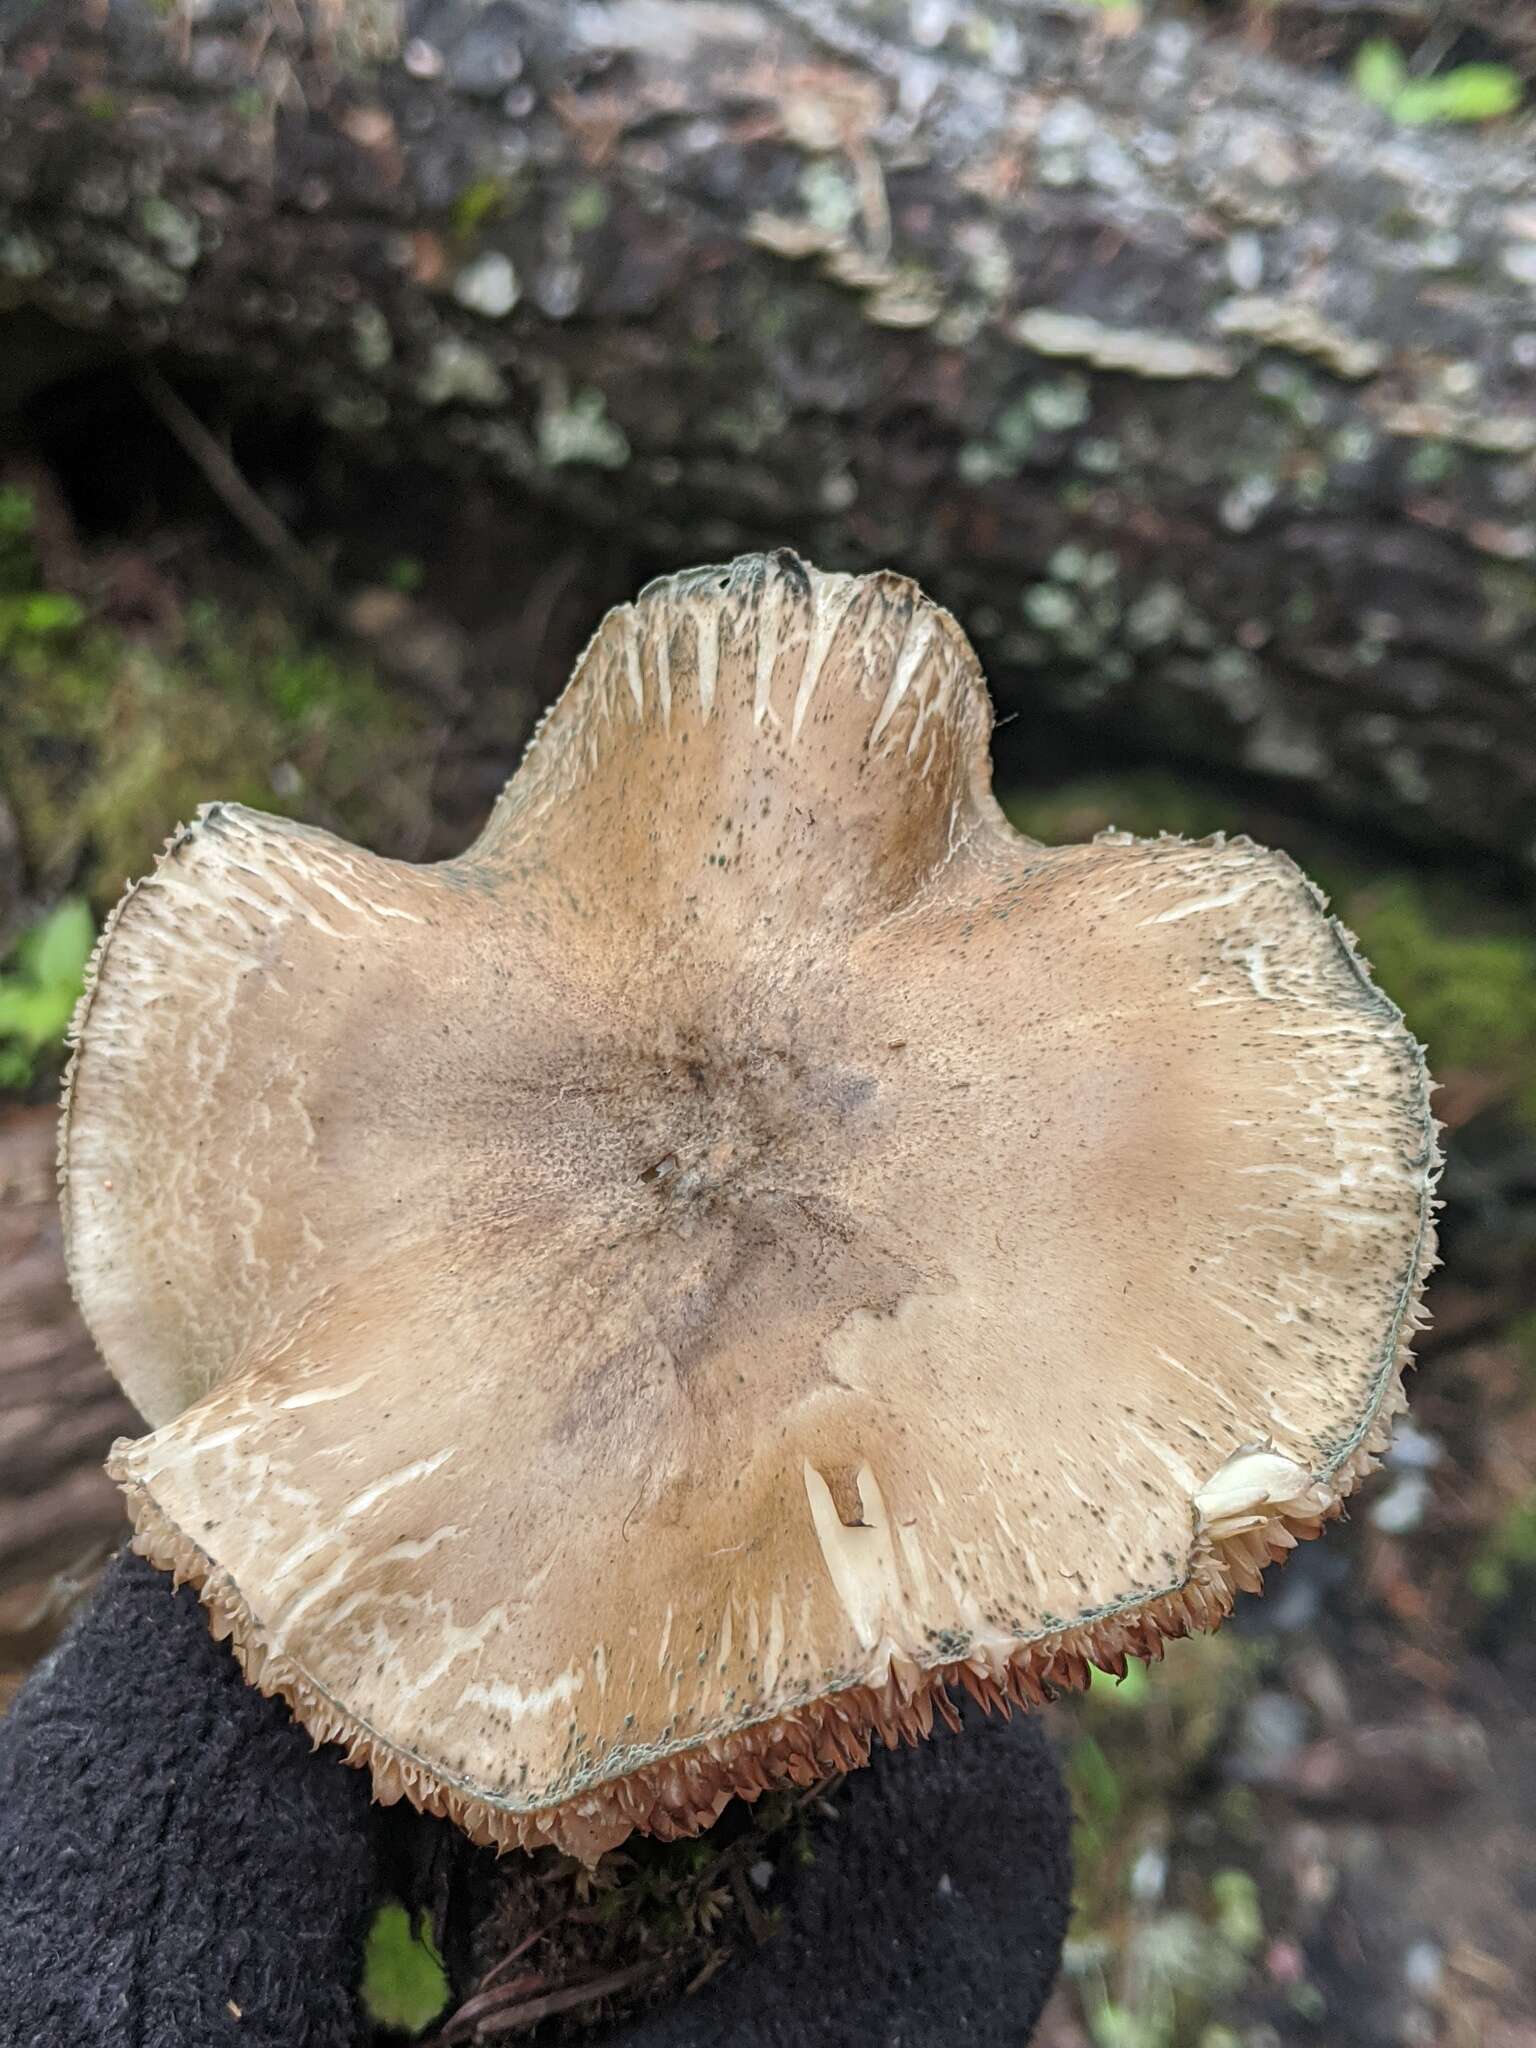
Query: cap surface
[{"x": 624, "y": 1312}]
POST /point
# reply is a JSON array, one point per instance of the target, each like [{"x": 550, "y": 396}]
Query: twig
[
  {"x": 757, "y": 1920},
  {"x": 530, "y": 2011},
  {"x": 714, "y": 1963},
  {"x": 513, "y": 1954},
  {"x": 463, "y": 2025},
  {"x": 245, "y": 504}
]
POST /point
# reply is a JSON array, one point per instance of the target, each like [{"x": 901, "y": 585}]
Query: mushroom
[{"x": 632, "y": 1313}]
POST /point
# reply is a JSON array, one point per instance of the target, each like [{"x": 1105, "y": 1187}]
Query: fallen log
[{"x": 1203, "y": 393}]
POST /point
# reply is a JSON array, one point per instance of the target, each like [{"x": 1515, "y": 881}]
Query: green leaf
[
  {"x": 1380, "y": 73},
  {"x": 61, "y": 946},
  {"x": 1478, "y": 92},
  {"x": 1123, "y": 1692},
  {"x": 1417, "y": 105},
  {"x": 1115, "y": 2026},
  {"x": 40, "y": 988},
  {"x": 47, "y": 611},
  {"x": 404, "y": 1984},
  {"x": 36, "y": 1016},
  {"x": 1472, "y": 92}
]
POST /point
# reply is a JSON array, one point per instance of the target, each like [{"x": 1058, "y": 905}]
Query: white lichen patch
[
  {"x": 1295, "y": 325},
  {"x": 793, "y": 237},
  {"x": 457, "y": 373},
  {"x": 1133, "y": 351},
  {"x": 1490, "y": 433},
  {"x": 488, "y": 285}
]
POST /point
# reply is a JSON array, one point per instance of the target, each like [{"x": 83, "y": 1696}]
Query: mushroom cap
[{"x": 630, "y": 1313}]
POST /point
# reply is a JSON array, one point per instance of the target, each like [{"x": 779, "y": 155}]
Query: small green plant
[
  {"x": 1469, "y": 92},
  {"x": 39, "y": 987},
  {"x": 404, "y": 1983}
]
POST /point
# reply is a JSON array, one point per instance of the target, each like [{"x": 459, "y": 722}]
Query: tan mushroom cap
[{"x": 629, "y": 1313}]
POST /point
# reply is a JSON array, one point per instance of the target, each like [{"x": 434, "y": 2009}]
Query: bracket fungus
[{"x": 630, "y": 1314}]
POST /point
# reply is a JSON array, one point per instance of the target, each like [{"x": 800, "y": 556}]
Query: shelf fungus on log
[{"x": 631, "y": 1314}]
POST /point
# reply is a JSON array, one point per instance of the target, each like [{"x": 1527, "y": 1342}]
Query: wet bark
[
  {"x": 59, "y": 1411},
  {"x": 1205, "y": 396}
]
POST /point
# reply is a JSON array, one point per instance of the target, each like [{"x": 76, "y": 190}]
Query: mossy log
[{"x": 1205, "y": 395}]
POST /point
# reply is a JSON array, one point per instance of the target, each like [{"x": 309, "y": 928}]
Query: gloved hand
[{"x": 180, "y": 1869}]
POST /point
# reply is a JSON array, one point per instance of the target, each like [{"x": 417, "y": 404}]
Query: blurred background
[{"x": 1188, "y": 352}]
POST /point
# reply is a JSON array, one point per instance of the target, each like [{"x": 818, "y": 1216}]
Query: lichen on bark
[{"x": 729, "y": 275}]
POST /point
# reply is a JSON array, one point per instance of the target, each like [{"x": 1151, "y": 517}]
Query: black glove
[
  {"x": 177, "y": 1867},
  {"x": 180, "y": 1869}
]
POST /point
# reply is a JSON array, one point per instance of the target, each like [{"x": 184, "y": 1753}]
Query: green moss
[
  {"x": 107, "y": 741},
  {"x": 1470, "y": 995},
  {"x": 1508, "y": 1557},
  {"x": 1145, "y": 804},
  {"x": 586, "y": 208},
  {"x": 1430, "y": 462},
  {"x": 17, "y": 563},
  {"x": 36, "y": 615},
  {"x": 404, "y": 1984},
  {"x": 405, "y": 574},
  {"x": 477, "y": 203}
]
